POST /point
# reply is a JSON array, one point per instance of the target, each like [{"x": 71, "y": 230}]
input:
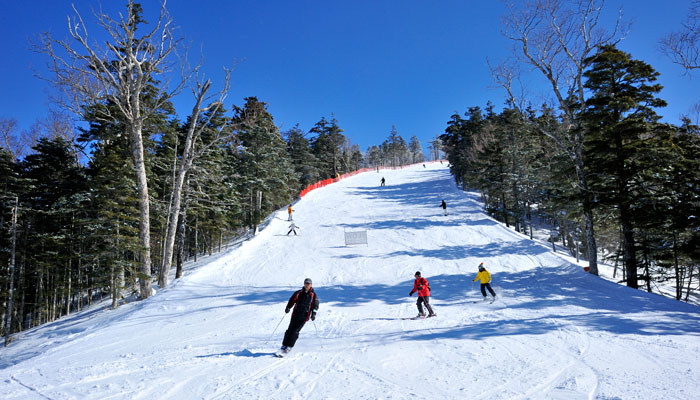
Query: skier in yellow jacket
[{"x": 485, "y": 278}]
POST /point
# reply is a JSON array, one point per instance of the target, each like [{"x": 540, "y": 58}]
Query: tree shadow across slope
[
  {"x": 459, "y": 252},
  {"x": 564, "y": 295}
]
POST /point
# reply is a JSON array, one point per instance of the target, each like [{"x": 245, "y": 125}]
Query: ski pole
[
  {"x": 275, "y": 330},
  {"x": 316, "y": 328}
]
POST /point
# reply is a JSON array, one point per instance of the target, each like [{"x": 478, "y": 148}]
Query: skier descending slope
[
  {"x": 290, "y": 211},
  {"x": 305, "y": 303},
  {"x": 485, "y": 278},
  {"x": 293, "y": 228},
  {"x": 444, "y": 207},
  {"x": 421, "y": 286}
]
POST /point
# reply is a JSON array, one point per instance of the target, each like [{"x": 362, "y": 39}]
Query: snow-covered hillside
[{"x": 557, "y": 333}]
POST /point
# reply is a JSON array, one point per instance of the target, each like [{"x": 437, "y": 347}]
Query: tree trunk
[
  {"x": 8, "y": 310},
  {"x": 178, "y": 184},
  {"x": 690, "y": 279},
  {"x": 181, "y": 232},
  {"x": 629, "y": 255},
  {"x": 196, "y": 237},
  {"x": 70, "y": 267},
  {"x": 591, "y": 247},
  {"x": 117, "y": 274},
  {"x": 646, "y": 263},
  {"x": 617, "y": 260},
  {"x": 679, "y": 284},
  {"x": 137, "y": 155},
  {"x": 20, "y": 283}
]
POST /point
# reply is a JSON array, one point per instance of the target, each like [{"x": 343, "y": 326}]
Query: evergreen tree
[
  {"x": 416, "y": 150},
  {"x": 112, "y": 225},
  {"x": 356, "y": 158},
  {"x": 327, "y": 146},
  {"x": 459, "y": 145},
  {"x": 302, "y": 157},
  {"x": 619, "y": 116},
  {"x": 266, "y": 175},
  {"x": 54, "y": 199},
  {"x": 373, "y": 156},
  {"x": 9, "y": 191}
]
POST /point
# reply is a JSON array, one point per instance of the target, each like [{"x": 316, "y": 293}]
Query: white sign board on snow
[{"x": 357, "y": 237}]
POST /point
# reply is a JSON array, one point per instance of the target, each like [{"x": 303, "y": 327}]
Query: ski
[
  {"x": 481, "y": 301},
  {"x": 423, "y": 317},
  {"x": 281, "y": 353}
]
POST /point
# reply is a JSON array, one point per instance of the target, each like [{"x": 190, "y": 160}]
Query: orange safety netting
[{"x": 328, "y": 181}]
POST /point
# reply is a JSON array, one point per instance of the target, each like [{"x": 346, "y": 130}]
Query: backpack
[{"x": 428, "y": 285}]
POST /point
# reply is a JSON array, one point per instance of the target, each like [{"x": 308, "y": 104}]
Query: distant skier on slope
[
  {"x": 444, "y": 207},
  {"x": 421, "y": 286},
  {"x": 383, "y": 182},
  {"x": 485, "y": 278},
  {"x": 293, "y": 228},
  {"x": 289, "y": 211},
  {"x": 305, "y": 303}
]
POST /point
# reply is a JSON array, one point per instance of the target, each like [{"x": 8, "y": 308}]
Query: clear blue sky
[{"x": 410, "y": 63}]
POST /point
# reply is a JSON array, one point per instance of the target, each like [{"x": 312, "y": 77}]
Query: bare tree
[
  {"x": 555, "y": 37},
  {"x": 193, "y": 148},
  {"x": 119, "y": 73},
  {"x": 435, "y": 147},
  {"x": 8, "y": 135},
  {"x": 683, "y": 46}
]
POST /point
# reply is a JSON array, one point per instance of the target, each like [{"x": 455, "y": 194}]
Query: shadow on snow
[{"x": 595, "y": 304}]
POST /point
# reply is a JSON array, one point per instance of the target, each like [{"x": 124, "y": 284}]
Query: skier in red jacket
[
  {"x": 305, "y": 304},
  {"x": 421, "y": 286}
]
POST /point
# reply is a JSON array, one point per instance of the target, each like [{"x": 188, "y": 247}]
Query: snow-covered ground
[{"x": 557, "y": 333}]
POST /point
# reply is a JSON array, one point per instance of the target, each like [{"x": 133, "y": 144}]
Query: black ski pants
[
  {"x": 292, "y": 334},
  {"x": 421, "y": 300},
  {"x": 485, "y": 286},
  {"x": 292, "y": 230}
]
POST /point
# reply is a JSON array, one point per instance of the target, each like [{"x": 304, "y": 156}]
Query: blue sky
[{"x": 409, "y": 63}]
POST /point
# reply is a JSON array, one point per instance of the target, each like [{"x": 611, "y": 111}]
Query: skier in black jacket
[{"x": 305, "y": 303}]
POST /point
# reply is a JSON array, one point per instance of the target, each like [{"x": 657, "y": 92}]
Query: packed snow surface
[{"x": 554, "y": 333}]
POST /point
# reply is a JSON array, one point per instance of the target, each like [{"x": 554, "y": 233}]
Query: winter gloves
[
  {"x": 313, "y": 314},
  {"x": 411, "y": 294}
]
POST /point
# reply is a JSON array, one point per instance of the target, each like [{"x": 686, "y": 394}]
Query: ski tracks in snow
[{"x": 573, "y": 379}]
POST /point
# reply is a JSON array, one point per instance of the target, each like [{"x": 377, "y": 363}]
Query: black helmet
[
  {"x": 417, "y": 273},
  {"x": 481, "y": 267}
]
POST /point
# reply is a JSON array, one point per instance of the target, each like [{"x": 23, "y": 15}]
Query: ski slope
[{"x": 557, "y": 333}]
